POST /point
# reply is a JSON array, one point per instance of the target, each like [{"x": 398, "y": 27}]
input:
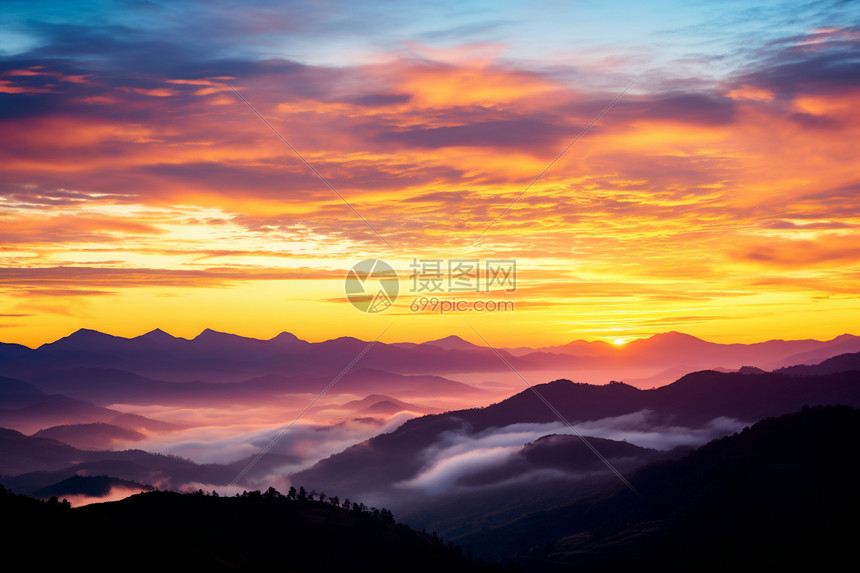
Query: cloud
[
  {"x": 519, "y": 132},
  {"x": 444, "y": 473},
  {"x": 799, "y": 252},
  {"x": 457, "y": 455},
  {"x": 689, "y": 108},
  {"x": 306, "y": 441},
  {"x": 39, "y": 278},
  {"x": 823, "y": 61},
  {"x": 645, "y": 429},
  {"x": 380, "y": 99},
  {"x": 460, "y": 453},
  {"x": 115, "y": 493},
  {"x": 71, "y": 228},
  {"x": 713, "y": 171}
]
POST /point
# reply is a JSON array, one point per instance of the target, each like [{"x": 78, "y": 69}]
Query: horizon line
[{"x": 610, "y": 340}]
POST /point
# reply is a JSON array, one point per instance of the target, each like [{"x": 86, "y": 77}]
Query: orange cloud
[{"x": 678, "y": 196}]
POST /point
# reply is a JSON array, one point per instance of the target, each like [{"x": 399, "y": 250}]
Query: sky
[{"x": 648, "y": 166}]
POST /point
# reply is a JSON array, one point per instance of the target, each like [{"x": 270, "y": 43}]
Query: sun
[{"x": 619, "y": 341}]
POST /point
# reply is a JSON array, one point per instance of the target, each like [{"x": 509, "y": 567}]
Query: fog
[
  {"x": 306, "y": 441},
  {"x": 458, "y": 454},
  {"x": 643, "y": 428}
]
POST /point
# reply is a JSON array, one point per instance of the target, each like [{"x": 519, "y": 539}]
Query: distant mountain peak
[
  {"x": 284, "y": 336},
  {"x": 845, "y": 336},
  {"x": 289, "y": 341},
  {"x": 83, "y": 337},
  {"x": 453, "y": 342},
  {"x": 209, "y": 334},
  {"x": 674, "y": 335},
  {"x": 674, "y": 340},
  {"x": 345, "y": 339},
  {"x": 156, "y": 334},
  {"x": 90, "y": 333}
]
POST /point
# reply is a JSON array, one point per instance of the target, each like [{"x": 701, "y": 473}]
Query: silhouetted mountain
[
  {"x": 113, "y": 386},
  {"x": 138, "y": 422},
  {"x": 90, "y": 486},
  {"x": 221, "y": 357},
  {"x": 52, "y": 410},
  {"x": 374, "y": 400},
  {"x": 85, "y": 340},
  {"x": 695, "y": 401},
  {"x": 17, "y": 393},
  {"x": 751, "y": 370},
  {"x": 20, "y": 453},
  {"x": 368, "y": 380},
  {"x": 254, "y": 532},
  {"x": 105, "y": 386},
  {"x": 679, "y": 350},
  {"x": 841, "y": 363},
  {"x": 777, "y": 495},
  {"x": 454, "y": 343},
  {"x": 385, "y": 407},
  {"x": 97, "y": 436},
  {"x": 842, "y": 344},
  {"x": 378, "y": 404},
  {"x": 30, "y": 463},
  {"x": 26, "y": 408},
  {"x": 565, "y": 451},
  {"x": 10, "y": 352},
  {"x": 591, "y": 348}
]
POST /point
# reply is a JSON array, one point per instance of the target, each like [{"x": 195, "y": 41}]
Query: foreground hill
[
  {"x": 781, "y": 493},
  {"x": 253, "y": 532}
]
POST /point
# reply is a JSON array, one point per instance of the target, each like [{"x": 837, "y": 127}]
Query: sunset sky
[{"x": 720, "y": 195}]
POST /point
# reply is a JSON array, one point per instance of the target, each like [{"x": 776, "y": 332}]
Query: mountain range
[
  {"x": 220, "y": 357},
  {"x": 511, "y": 470},
  {"x": 73, "y": 388},
  {"x": 692, "y": 404},
  {"x": 779, "y": 494},
  {"x": 31, "y": 463}
]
